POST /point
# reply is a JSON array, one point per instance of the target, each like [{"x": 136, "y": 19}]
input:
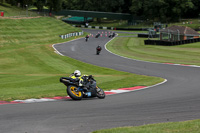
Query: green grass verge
[
  {"x": 133, "y": 47},
  {"x": 172, "y": 127}
]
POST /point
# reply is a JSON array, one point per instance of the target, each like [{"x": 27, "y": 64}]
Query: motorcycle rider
[
  {"x": 87, "y": 37},
  {"x": 81, "y": 80},
  {"x": 86, "y": 80},
  {"x": 98, "y": 48},
  {"x": 74, "y": 77}
]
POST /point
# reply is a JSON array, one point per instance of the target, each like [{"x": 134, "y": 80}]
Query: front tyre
[
  {"x": 100, "y": 93},
  {"x": 74, "y": 93}
]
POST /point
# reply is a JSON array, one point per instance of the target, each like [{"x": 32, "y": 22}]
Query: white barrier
[{"x": 71, "y": 34}]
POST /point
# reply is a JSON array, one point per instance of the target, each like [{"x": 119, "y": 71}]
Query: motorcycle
[
  {"x": 97, "y": 35},
  {"x": 98, "y": 50},
  {"x": 112, "y": 35},
  {"x": 86, "y": 39},
  {"x": 89, "y": 90}
]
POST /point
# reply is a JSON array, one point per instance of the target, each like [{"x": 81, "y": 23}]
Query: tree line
[{"x": 157, "y": 10}]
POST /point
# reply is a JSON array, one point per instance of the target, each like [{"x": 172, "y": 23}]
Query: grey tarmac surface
[{"x": 176, "y": 100}]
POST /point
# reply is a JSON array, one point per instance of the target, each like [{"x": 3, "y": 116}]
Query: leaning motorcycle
[{"x": 89, "y": 90}]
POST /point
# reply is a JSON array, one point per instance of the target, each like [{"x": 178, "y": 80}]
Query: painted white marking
[
  {"x": 62, "y": 43},
  {"x": 73, "y": 48},
  {"x": 35, "y": 100},
  {"x": 119, "y": 91}
]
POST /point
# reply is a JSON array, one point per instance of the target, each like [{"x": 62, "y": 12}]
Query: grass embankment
[
  {"x": 27, "y": 61},
  {"x": 134, "y": 48},
  {"x": 172, "y": 127},
  {"x": 29, "y": 67}
]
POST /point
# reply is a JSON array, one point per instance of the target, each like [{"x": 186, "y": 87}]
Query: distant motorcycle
[
  {"x": 87, "y": 38},
  {"x": 98, "y": 50},
  {"x": 112, "y": 35},
  {"x": 76, "y": 92},
  {"x": 97, "y": 35}
]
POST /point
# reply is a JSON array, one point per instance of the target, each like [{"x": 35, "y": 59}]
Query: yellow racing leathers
[{"x": 82, "y": 80}]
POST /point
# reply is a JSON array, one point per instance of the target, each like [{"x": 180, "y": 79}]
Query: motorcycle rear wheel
[
  {"x": 74, "y": 93},
  {"x": 100, "y": 94}
]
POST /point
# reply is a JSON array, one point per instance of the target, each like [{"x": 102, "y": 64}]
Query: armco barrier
[
  {"x": 71, "y": 35},
  {"x": 170, "y": 43}
]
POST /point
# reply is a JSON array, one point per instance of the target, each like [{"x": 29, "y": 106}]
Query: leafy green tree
[
  {"x": 25, "y": 3},
  {"x": 12, "y": 2},
  {"x": 161, "y": 10},
  {"x": 114, "y": 5},
  {"x": 54, "y": 5},
  {"x": 2, "y": 1},
  {"x": 156, "y": 10},
  {"x": 126, "y": 6},
  {"x": 22, "y": 3},
  {"x": 94, "y": 5},
  {"x": 40, "y": 4},
  {"x": 180, "y": 7},
  {"x": 193, "y": 12}
]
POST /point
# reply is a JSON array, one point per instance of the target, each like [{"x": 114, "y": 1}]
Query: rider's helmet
[{"x": 77, "y": 73}]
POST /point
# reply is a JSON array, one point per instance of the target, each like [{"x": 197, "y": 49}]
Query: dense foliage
[
  {"x": 157, "y": 10},
  {"x": 166, "y": 10}
]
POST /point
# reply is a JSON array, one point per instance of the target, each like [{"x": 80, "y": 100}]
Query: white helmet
[{"x": 77, "y": 73}]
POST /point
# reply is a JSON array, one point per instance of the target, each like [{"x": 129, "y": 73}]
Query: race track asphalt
[{"x": 178, "y": 99}]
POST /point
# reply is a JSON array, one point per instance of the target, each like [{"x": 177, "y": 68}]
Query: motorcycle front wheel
[
  {"x": 100, "y": 93},
  {"x": 74, "y": 93}
]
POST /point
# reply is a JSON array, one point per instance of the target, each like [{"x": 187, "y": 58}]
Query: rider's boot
[{"x": 98, "y": 90}]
